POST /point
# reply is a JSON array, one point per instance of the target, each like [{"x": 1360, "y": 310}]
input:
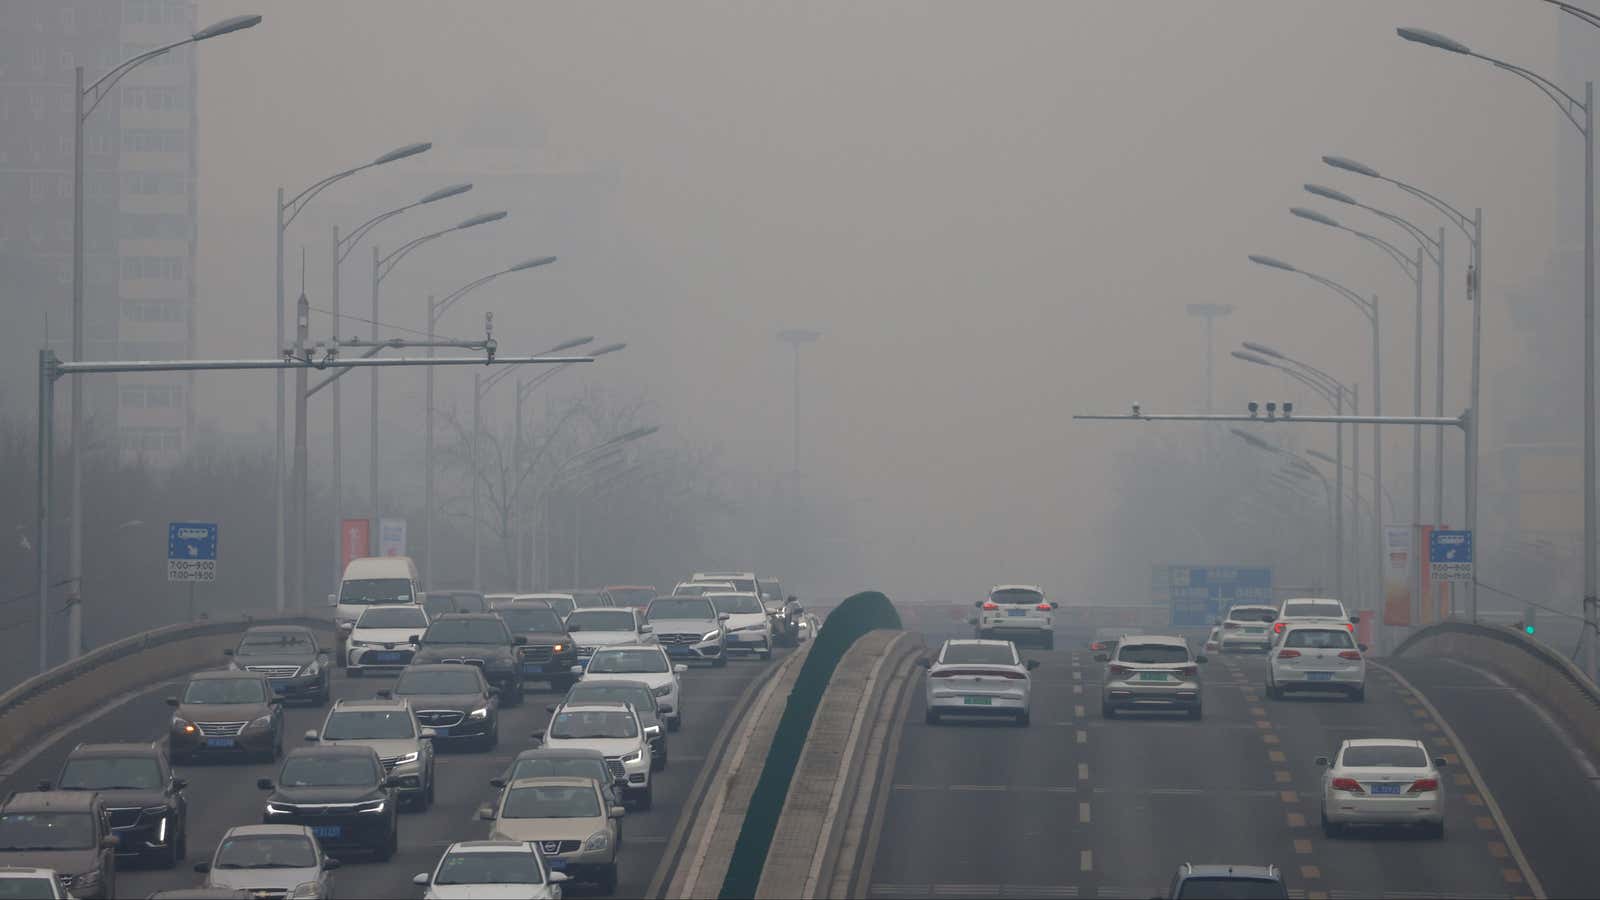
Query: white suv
[
  {"x": 383, "y": 638},
  {"x": 613, "y": 728},
  {"x": 639, "y": 662},
  {"x": 1247, "y": 627},
  {"x": 1312, "y": 610},
  {"x": 1323, "y": 657},
  {"x": 1015, "y": 611}
]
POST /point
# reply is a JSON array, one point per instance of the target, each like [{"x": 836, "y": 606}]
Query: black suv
[
  {"x": 644, "y": 703},
  {"x": 295, "y": 665},
  {"x": 455, "y": 701},
  {"x": 478, "y": 639},
  {"x": 144, "y": 803},
  {"x": 341, "y": 793},
  {"x": 549, "y": 653}
]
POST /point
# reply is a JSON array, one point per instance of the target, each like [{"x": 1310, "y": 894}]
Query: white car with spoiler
[
  {"x": 979, "y": 678},
  {"x": 1016, "y": 611}
]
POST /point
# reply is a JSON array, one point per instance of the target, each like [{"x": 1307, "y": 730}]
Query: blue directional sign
[
  {"x": 1200, "y": 594},
  {"x": 192, "y": 551},
  {"x": 1450, "y": 556}
]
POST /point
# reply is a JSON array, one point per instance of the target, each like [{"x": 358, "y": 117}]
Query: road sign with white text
[
  {"x": 192, "y": 551},
  {"x": 1450, "y": 556}
]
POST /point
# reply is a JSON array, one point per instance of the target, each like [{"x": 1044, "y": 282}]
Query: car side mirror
[
  {"x": 486, "y": 813},
  {"x": 1054, "y": 605},
  {"x": 333, "y": 599},
  {"x": 311, "y": 734},
  {"x": 550, "y": 708},
  {"x": 1362, "y": 647},
  {"x": 536, "y": 735},
  {"x": 228, "y": 652},
  {"x": 110, "y": 842},
  {"x": 421, "y": 878},
  {"x": 422, "y": 597},
  {"x": 172, "y": 702},
  {"x": 202, "y": 867},
  {"x": 345, "y": 629},
  {"x": 1355, "y": 619},
  {"x": 1101, "y": 657},
  {"x": 1201, "y": 658},
  {"x": 573, "y": 628},
  {"x": 646, "y": 629},
  {"x": 1032, "y": 664},
  {"x": 558, "y": 877},
  {"x": 264, "y": 784},
  {"x": 329, "y": 863},
  {"x": 274, "y": 700},
  {"x": 652, "y": 730},
  {"x": 679, "y": 669},
  {"x": 386, "y": 694},
  {"x": 617, "y": 812},
  {"x": 576, "y": 670},
  {"x": 1321, "y": 761},
  {"x": 494, "y": 691},
  {"x": 925, "y": 662},
  {"x": 722, "y": 617},
  {"x": 1440, "y": 762},
  {"x": 413, "y": 638},
  {"x": 428, "y": 734},
  {"x": 519, "y": 640},
  {"x": 977, "y": 604},
  {"x": 179, "y": 784},
  {"x": 497, "y": 782},
  {"x": 42, "y": 786}
]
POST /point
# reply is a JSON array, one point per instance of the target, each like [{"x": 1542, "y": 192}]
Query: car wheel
[
  {"x": 492, "y": 740},
  {"x": 1107, "y": 711},
  {"x": 1272, "y": 692},
  {"x": 182, "y": 850},
  {"x": 427, "y": 795},
  {"x": 390, "y": 844},
  {"x": 1434, "y": 830},
  {"x": 675, "y": 723},
  {"x": 168, "y": 859},
  {"x": 608, "y": 879},
  {"x": 1330, "y": 829},
  {"x": 1195, "y": 712},
  {"x": 719, "y": 661},
  {"x": 1050, "y": 640},
  {"x": 646, "y": 799},
  {"x": 931, "y": 717},
  {"x": 1359, "y": 694},
  {"x": 511, "y": 694},
  {"x": 765, "y": 654},
  {"x": 658, "y": 763},
  {"x": 1023, "y": 719}
]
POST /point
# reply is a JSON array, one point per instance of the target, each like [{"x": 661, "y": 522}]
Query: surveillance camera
[
  {"x": 1288, "y": 408},
  {"x": 1136, "y": 409},
  {"x": 1252, "y": 407}
]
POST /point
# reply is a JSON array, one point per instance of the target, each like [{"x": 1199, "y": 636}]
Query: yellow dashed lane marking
[
  {"x": 1258, "y": 712},
  {"x": 1310, "y": 872},
  {"x": 1263, "y": 724},
  {"x": 1454, "y": 760},
  {"x": 1463, "y": 779},
  {"x": 1078, "y": 711},
  {"x": 1302, "y": 846},
  {"x": 1083, "y": 736},
  {"x": 1083, "y": 771},
  {"x": 1269, "y": 739},
  {"x": 1083, "y": 812},
  {"x": 1419, "y": 713},
  {"x": 1430, "y": 727},
  {"x": 1484, "y": 823},
  {"x": 1077, "y": 676},
  {"x": 1512, "y": 876},
  {"x": 1295, "y": 820},
  {"x": 1077, "y": 689},
  {"x": 1276, "y": 756},
  {"x": 1086, "y": 860},
  {"x": 1282, "y": 776},
  {"x": 1473, "y": 799},
  {"x": 1289, "y": 797},
  {"x": 1316, "y": 895},
  {"x": 1497, "y": 850}
]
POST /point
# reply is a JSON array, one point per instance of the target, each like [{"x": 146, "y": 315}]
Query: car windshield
[
  {"x": 1319, "y": 639},
  {"x": 276, "y": 643},
  {"x": 466, "y": 601},
  {"x": 109, "y": 773},
  {"x": 601, "y": 620},
  {"x": 1370, "y": 756},
  {"x": 613, "y": 661},
  {"x": 530, "y": 619},
  {"x": 562, "y": 605},
  {"x": 393, "y": 617},
  {"x": 699, "y": 590},
  {"x": 222, "y": 691},
  {"x": 593, "y": 724},
  {"x": 266, "y": 851},
  {"x": 26, "y": 887},
  {"x": 1313, "y": 610},
  {"x": 993, "y": 654},
  {"x": 457, "y": 680},
  {"x": 373, "y": 591},
  {"x": 681, "y": 608},
  {"x": 1252, "y": 615},
  {"x": 590, "y": 600},
  {"x": 368, "y": 725},
  {"x": 632, "y": 596},
  {"x": 600, "y": 692},
  {"x": 328, "y": 771},
  {"x": 467, "y": 631},
  {"x": 551, "y": 803},
  {"x": 561, "y": 767},
  {"x": 1152, "y": 653},
  {"x": 1017, "y": 595},
  {"x": 1229, "y": 887},
  {"x": 46, "y": 831},
  {"x": 508, "y": 867},
  {"x": 737, "y": 604}
]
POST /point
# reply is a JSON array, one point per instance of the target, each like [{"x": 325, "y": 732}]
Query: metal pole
[
  {"x": 1438, "y": 400},
  {"x": 427, "y": 461},
  {"x": 1210, "y": 392},
  {"x": 796, "y": 346},
  {"x": 301, "y": 481},
  {"x": 577, "y": 537},
  {"x": 47, "y": 429},
  {"x": 1338, "y": 506},
  {"x": 1471, "y": 450},
  {"x": 75, "y": 539},
  {"x": 277, "y": 458},
  {"x": 1591, "y": 590},
  {"x": 1377, "y": 454},
  {"x": 338, "y": 443},
  {"x": 477, "y": 426},
  {"x": 516, "y": 475},
  {"x": 1414, "y": 578},
  {"x": 1361, "y": 583},
  {"x": 372, "y": 437}
]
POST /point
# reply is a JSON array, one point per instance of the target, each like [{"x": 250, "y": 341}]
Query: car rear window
[
  {"x": 1319, "y": 639},
  {"x": 1252, "y": 615},
  {"x": 601, "y": 620},
  {"x": 1314, "y": 610},
  {"x": 1406, "y": 756},
  {"x": 1152, "y": 653},
  {"x": 1017, "y": 595},
  {"x": 992, "y": 654},
  {"x": 1231, "y": 886}
]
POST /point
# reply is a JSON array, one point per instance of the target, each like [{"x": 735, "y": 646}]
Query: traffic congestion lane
[
  {"x": 1080, "y": 806},
  {"x": 223, "y": 795},
  {"x": 1545, "y": 783}
]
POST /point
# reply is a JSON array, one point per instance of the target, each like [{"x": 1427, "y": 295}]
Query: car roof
[
  {"x": 712, "y": 576},
  {"x": 1316, "y": 623},
  {"x": 551, "y": 781},
  {"x": 1310, "y": 600},
  {"x": 218, "y": 674},
  {"x": 598, "y": 706},
  {"x": 62, "y": 801},
  {"x": 438, "y": 667},
  {"x": 611, "y": 648},
  {"x": 245, "y": 830},
  {"x": 1265, "y": 606},
  {"x": 1212, "y": 870},
  {"x": 327, "y": 750},
  {"x": 278, "y": 629},
  {"x": 27, "y": 872},
  {"x": 467, "y": 615},
  {"x": 1159, "y": 639},
  {"x": 1017, "y": 587},
  {"x": 489, "y": 847},
  {"x": 384, "y": 703},
  {"x": 1382, "y": 742},
  {"x": 630, "y": 587},
  {"x": 561, "y": 753},
  {"x": 955, "y": 642},
  {"x": 121, "y": 748},
  {"x": 614, "y": 682},
  {"x": 545, "y": 596}
]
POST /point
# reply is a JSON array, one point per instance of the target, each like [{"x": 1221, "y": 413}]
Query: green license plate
[
  {"x": 978, "y": 701},
  {"x": 1152, "y": 676},
  {"x": 1254, "y": 630}
]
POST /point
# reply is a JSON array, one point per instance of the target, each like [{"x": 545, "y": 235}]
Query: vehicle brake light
[
  {"x": 1043, "y": 606},
  {"x": 1189, "y": 671},
  {"x": 1348, "y": 784},
  {"x": 1230, "y": 626},
  {"x": 990, "y": 604},
  {"x": 1351, "y": 626},
  {"x": 1288, "y": 654},
  {"x": 1349, "y": 654},
  {"x": 1118, "y": 670},
  {"x": 1097, "y": 645},
  {"x": 1278, "y": 627},
  {"x": 1423, "y": 785},
  {"x": 940, "y": 674}
]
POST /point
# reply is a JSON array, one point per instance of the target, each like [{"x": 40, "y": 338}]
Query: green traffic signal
[{"x": 1528, "y": 629}]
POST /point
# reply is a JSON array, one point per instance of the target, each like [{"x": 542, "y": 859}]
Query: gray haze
[{"x": 995, "y": 212}]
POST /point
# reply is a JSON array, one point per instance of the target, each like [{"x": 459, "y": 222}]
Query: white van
[{"x": 375, "y": 581}]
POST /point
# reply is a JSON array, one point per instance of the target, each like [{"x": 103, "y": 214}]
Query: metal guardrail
[{"x": 1514, "y": 638}]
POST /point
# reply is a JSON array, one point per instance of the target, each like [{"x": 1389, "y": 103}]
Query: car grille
[
  {"x": 537, "y": 654},
  {"x": 614, "y": 763},
  {"x": 390, "y": 762},
  {"x": 317, "y": 809},
  {"x": 275, "y": 671},
  {"x": 219, "y": 729},
  {"x": 440, "y": 718},
  {"x": 466, "y": 661},
  {"x": 549, "y": 847},
  {"x": 658, "y": 745},
  {"x": 125, "y": 817},
  {"x": 681, "y": 638},
  {"x": 267, "y": 893},
  {"x": 398, "y": 657}
]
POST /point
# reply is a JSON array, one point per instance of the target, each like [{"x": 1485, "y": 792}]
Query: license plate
[
  {"x": 555, "y": 863},
  {"x": 1016, "y": 612},
  {"x": 1254, "y": 630},
  {"x": 219, "y": 742},
  {"x": 528, "y": 668},
  {"x": 279, "y": 688},
  {"x": 441, "y": 732},
  {"x": 1319, "y": 676},
  {"x": 679, "y": 651},
  {"x": 327, "y": 831},
  {"x": 385, "y": 657},
  {"x": 1152, "y": 676},
  {"x": 1386, "y": 789},
  {"x": 978, "y": 701}
]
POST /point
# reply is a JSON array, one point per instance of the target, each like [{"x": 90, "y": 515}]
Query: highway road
[
  {"x": 1077, "y": 806},
  {"x": 224, "y": 795}
]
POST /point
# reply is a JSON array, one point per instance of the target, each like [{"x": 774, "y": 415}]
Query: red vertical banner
[
  {"x": 1435, "y": 595},
  {"x": 355, "y": 536}
]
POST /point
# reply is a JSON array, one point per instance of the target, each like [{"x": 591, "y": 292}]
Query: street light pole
[
  {"x": 1210, "y": 312},
  {"x": 794, "y": 337}
]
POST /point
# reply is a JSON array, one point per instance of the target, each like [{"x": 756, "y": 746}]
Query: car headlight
[
  {"x": 406, "y": 759},
  {"x": 155, "y": 810},
  {"x": 633, "y": 757},
  {"x": 481, "y": 712},
  {"x": 558, "y": 648},
  {"x": 760, "y": 627},
  {"x": 87, "y": 880},
  {"x": 375, "y": 806},
  {"x": 183, "y": 725},
  {"x": 311, "y": 669},
  {"x": 600, "y": 840},
  {"x": 262, "y": 722},
  {"x": 662, "y": 691},
  {"x": 356, "y": 643},
  {"x": 275, "y": 810},
  {"x": 710, "y": 635},
  {"x": 306, "y": 890}
]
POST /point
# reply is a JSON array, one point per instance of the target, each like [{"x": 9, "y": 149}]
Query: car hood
[
  {"x": 325, "y": 794},
  {"x": 683, "y": 626},
  {"x": 270, "y": 879},
  {"x": 546, "y": 829},
  {"x": 654, "y": 679},
  {"x": 383, "y": 635},
  {"x": 604, "y": 638},
  {"x": 607, "y": 746},
  {"x": 488, "y": 891},
  {"x": 65, "y": 862},
  {"x": 546, "y": 637},
  {"x": 118, "y": 799},
  {"x": 221, "y": 712},
  {"x": 273, "y": 659},
  {"x": 435, "y": 652},
  {"x": 384, "y": 748},
  {"x": 462, "y": 702},
  {"x": 740, "y": 620}
]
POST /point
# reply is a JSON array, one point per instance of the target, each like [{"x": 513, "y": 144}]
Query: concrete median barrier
[{"x": 54, "y": 699}]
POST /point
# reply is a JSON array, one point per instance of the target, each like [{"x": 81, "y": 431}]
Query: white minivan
[{"x": 375, "y": 581}]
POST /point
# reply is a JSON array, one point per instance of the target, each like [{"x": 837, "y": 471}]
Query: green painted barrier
[{"x": 857, "y": 615}]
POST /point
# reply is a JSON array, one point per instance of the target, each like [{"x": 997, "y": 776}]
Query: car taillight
[
  {"x": 1278, "y": 627},
  {"x": 1189, "y": 671},
  {"x": 1351, "y": 626},
  {"x": 1018, "y": 675},
  {"x": 1349, "y": 654},
  {"x": 1118, "y": 670},
  {"x": 1043, "y": 606},
  {"x": 1348, "y": 784},
  {"x": 990, "y": 604},
  {"x": 1097, "y": 645},
  {"x": 1423, "y": 785},
  {"x": 1288, "y": 654},
  {"x": 940, "y": 674},
  {"x": 1229, "y": 626}
]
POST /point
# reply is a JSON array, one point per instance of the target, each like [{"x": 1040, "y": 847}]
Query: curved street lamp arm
[
  {"x": 1563, "y": 100},
  {"x": 1576, "y": 12},
  {"x": 298, "y": 203},
  {"x": 98, "y": 93},
  {"x": 1407, "y": 265},
  {"x": 1457, "y": 217},
  {"x": 349, "y": 241},
  {"x": 386, "y": 264},
  {"x": 458, "y": 293},
  {"x": 1430, "y": 244},
  {"x": 1361, "y": 302},
  {"x": 1326, "y": 392}
]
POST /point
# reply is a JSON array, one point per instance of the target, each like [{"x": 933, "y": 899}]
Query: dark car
[
  {"x": 588, "y": 598},
  {"x": 644, "y": 703},
  {"x": 1205, "y": 882},
  {"x": 477, "y": 639},
  {"x": 289, "y": 655},
  {"x": 541, "y": 762},
  {"x": 341, "y": 793},
  {"x": 145, "y": 803},
  {"x": 202, "y": 893},
  {"x": 785, "y": 613},
  {"x": 637, "y": 596},
  {"x": 225, "y": 715},
  {"x": 454, "y": 700},
  {"x": 549, "y": 653},
  {"x": 67, "y": 831},
  {"x": 439, "y": 603}
]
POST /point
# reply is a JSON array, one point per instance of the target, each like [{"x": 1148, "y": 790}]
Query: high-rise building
[{"x": 140, "y": 154}]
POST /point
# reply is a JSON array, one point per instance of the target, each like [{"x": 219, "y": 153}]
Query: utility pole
[
  {"x": 1210, "y": 312},
  {"x": 794, "y": 337},
  {"x": 302, "y": 491}
]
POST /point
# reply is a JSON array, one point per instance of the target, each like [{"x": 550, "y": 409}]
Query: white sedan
[
  {"x": 1382, "y": 781},
  {"x": 471, "y": 869},
  {"x": 383, "y": 638},
  {"x": 1323, "y": 658},
  {"x": 979, "y": 678}
]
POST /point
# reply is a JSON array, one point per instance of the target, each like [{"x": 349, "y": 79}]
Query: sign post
[
  {"x": 1450, "y": 558},
  {"x": 391, "y": 537},
  {"x": 191, "y": 555},
  {"x": 1200, "y": 594}
]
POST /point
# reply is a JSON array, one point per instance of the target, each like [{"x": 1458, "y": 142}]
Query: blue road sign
[
  {"x": 1200, "y": 594},
  {"x": 1450, "y": 556},
  {"x": 191, "y": 551}
]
